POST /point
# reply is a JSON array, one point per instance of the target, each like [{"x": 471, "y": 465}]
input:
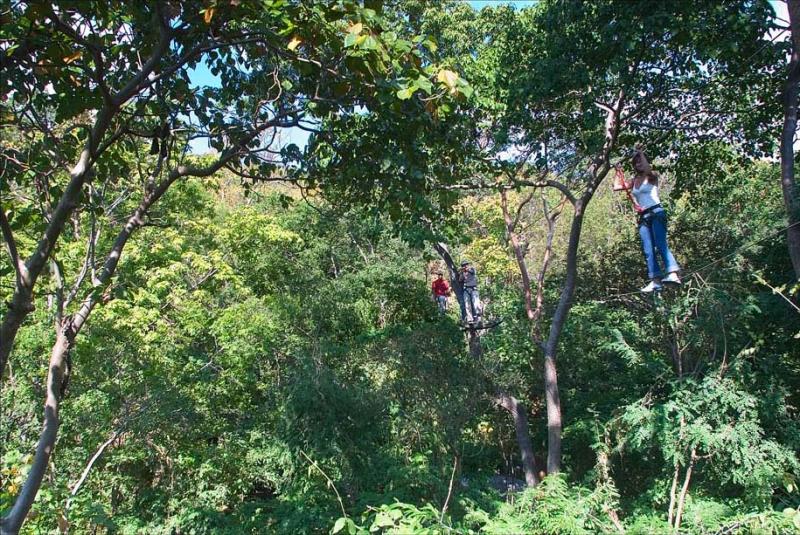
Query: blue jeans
[
  {"x": 472, "y": 304},
  {"x": 653, "y": 232}
]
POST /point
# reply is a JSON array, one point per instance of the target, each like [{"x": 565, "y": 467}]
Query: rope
[{"x": 701, "y": 268}]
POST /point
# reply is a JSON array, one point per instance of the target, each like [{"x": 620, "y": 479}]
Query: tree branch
[
  {"x": 77, "y": 486},
  {"x": 552, "y": 184},
  {"x": 11, "y": 245}
]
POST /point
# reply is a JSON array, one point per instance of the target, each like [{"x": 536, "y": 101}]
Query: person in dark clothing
[
  {"x": 472, "y": 301},
  {"x": 440, "y": 290}
]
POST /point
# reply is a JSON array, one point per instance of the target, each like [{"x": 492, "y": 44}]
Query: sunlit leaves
[{"x": 294, "y": 43}]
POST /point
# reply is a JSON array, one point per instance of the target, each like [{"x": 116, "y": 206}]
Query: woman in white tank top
[{"x": 652, "y": 223}]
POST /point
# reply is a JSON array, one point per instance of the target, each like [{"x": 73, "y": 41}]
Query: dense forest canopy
[{"x": 222, "y": 221}]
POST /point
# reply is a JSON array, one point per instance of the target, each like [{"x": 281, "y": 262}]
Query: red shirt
[{"x": 440, "y": 287}]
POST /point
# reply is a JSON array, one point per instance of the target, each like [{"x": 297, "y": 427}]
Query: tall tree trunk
[
  {"x": 597, "y": 170},
  {"x": 28, "y": 272},
  {"x": 69, "y": 329},
  {"x": 552, "y": 398},
  {"x": 684, "y": 490},
  {"x": 791, "y": 199}
]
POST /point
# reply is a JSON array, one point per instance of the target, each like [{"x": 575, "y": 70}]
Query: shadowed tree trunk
[
  {"x": 534, "y": 314},
  {"x": 519, "y": 414},
  {"x": 789, "y": 96}
]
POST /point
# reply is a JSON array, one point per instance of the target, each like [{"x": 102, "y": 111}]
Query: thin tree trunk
[
  {"x": 69, "y": 330},
  {"x": 519, "y": 414},
  {"x": 553, "y": 403},
  {"x": 551, "y": 379},
  {"x": 519, "y": 255},
  {"x": 598, "y": 171},
  {"x": 21, "y": 303},
  {"x": 791, "y": 199},
  {"x": 77, "y": 486},
  {"x": 12, "y": 522},
  {"x": 672, "y": 495},
  {"x": 456, "y": 463},
  {"x": 59, "y": 368},
  {"x": 684, "y": 490},
  {"x": 550, "y": 219},
  {"x": 552, "y": 398},
  {"x": 28, "y": 272}
]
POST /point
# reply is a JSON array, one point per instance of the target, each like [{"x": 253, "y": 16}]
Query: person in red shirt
[{"x": 440, "y": 290}]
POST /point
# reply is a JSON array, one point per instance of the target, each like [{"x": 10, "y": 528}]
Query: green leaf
[
  {"x": 405, "y": 94},
  {"x": 369, "y": 42},
  {"x": 424, "y": 84},
  {"x": 339, "y": 525}
]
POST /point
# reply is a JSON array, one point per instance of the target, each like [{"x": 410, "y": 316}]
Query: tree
[
  {"x": 501, "y": 397},
  {"x": 554, "y": 99}
]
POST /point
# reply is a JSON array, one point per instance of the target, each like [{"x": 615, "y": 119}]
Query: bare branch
[
  {"x": 58, "y": 277},
  {"x": 77, "y": 486},
  {"x": 513, "y": 237},
  {"x": 521, "y": 206},
  {"x": 88, "y": 261}
]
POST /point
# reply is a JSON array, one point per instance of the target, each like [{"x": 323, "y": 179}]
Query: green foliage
[
  {"x": 396, "y": 518},
  {"x": 552, "y": 508},
  {"x": 271, "y": 361}
]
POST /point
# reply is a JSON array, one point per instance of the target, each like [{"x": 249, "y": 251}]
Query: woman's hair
[{"x": 647, "y": 171}]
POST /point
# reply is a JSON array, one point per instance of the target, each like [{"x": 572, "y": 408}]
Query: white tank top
[{"x": 646, "y": 195}]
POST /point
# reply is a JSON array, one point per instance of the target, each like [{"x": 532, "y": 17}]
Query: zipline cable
[{"x": 701, "y": 268}]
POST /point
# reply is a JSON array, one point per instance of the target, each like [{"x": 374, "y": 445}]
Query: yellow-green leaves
[
  {"x": 406, "y": 93},
  {"x": 294, "y": 43},
  {"x": 449, "y": 78},
  {"x": 454, "y": 83},
  {"x": 353, "y": 35},
  {"x": 356, "y": 28}
]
